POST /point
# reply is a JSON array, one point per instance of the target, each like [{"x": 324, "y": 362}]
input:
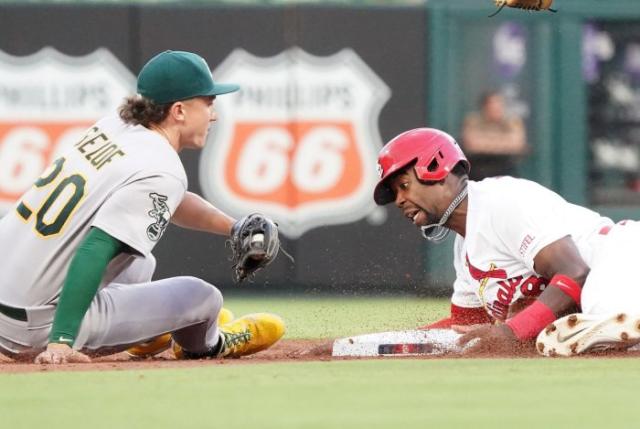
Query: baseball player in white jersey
[
  {"x": 75, "y": 253},
  {"x": 524, "y": 257}
]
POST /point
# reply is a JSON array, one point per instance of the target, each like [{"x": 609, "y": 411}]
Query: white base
[{"x": 399, "y": 343}]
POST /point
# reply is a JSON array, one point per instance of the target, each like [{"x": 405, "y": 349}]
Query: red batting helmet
[{"x": 434, "y": 152}]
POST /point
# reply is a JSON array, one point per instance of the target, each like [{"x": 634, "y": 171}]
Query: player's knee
[{"x": 208, "y": 299}]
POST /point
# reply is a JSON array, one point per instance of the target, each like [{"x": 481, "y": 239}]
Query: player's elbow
[
  {"x": 581, "y": 275},
  {"x": 578, "y": 273}
]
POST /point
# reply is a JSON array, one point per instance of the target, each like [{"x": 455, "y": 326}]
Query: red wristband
[
  {"x": 567, "y": 285},
  {"x": 531, "y": 321}
]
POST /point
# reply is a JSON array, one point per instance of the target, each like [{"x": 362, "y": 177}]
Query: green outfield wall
[{"x": 572, "y": 75}]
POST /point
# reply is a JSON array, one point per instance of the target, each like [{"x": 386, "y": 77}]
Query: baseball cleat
[
  {"x": 163, "y": 342},
  {"x": 150, "y": 348},
  {"x": 582, "y": 333},
  {"x": 242, "y": 337}
]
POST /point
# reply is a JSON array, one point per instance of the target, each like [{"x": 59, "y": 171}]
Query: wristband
[
  {"x": 529, "y": 322},
  {"x": 567, "y": 285}
]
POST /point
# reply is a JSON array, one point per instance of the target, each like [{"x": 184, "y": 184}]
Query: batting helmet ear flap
[
  {"x": 440, "y": 165},
  {"x": 439, "y": 154},
  {"x": 431, "y": 168}
]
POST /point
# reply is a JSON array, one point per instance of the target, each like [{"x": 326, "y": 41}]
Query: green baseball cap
[{"x": 178, "y": 75}]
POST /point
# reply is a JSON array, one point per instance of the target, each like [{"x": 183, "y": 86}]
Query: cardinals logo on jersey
[
  {"x": 498, "y": 290},
  {"x": 161, "y": 214}
]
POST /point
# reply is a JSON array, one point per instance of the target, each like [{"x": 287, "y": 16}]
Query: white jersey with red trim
[{"x": 509, "y": 221}]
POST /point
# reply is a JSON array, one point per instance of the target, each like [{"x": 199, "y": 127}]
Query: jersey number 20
[{"x": 54, "y": 226}]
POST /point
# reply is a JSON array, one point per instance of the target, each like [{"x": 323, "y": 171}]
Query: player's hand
[
  {"x": 61, "y": 353},
  {"x": 490, "y": 339}
]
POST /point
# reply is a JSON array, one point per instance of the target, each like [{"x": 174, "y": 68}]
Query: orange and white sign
[
  {"x": 47, "y": 101},
  {"x": 298, "y": 142}
]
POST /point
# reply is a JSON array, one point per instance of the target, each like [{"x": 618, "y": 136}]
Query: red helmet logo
[{"x": 434, "y": 152}]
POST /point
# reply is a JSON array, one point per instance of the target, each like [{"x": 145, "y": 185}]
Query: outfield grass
[
  {"x": 340, "y": 317},
  {"x": 518, "y": 393},
  {"x": 360, "y": 394}
]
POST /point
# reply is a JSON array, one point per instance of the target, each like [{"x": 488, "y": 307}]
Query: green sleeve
[{"x": 81, "y": 284}]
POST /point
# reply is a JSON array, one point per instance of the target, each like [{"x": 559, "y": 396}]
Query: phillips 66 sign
[
  {"x": 298, "y": 142},
  {"x": 47, "y": 101}
]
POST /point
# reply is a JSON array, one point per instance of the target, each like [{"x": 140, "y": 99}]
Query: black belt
[{"x": 14, "y": 313}]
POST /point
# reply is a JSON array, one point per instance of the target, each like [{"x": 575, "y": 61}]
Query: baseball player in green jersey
[{"x": 75, "y": 253}]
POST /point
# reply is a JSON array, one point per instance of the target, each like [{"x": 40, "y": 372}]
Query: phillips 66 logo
[
  {"x": 47, "y": 101},
  {"x": 298, "y": 142}
]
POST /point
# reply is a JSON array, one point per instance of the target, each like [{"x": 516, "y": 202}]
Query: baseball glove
[
  {"x": 254, "y": 245},
  {"x": 534, "y": 5}
]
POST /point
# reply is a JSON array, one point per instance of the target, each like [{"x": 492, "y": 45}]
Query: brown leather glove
[
  {"x": 534, "y": 5},
  {"x": 254, "y": 243}
]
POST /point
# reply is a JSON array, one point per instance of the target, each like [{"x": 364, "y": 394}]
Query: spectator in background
[{"x": 494, "y": 142}]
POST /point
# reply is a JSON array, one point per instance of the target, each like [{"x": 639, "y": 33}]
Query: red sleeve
[{"x": 461, "y": 316}]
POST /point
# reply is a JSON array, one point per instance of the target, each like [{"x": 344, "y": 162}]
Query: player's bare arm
[
  {"x": 561, "y": 258},
  {"x": 194, "y": 212}
]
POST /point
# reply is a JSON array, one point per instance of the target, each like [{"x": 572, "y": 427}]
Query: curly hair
[{"x": 137, "y": 110}]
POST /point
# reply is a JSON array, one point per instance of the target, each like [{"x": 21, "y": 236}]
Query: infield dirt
[{"x": 285, "y": 351}]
